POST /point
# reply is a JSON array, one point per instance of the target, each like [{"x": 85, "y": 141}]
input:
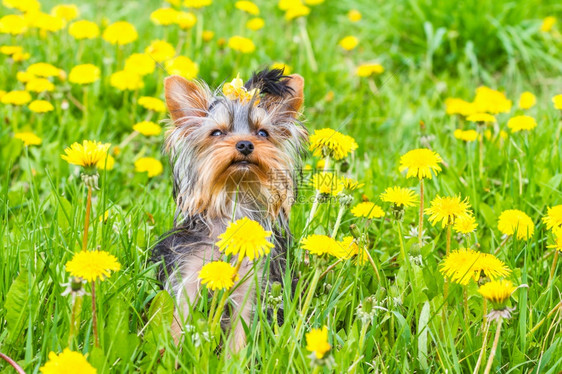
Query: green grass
[{"x": 430, "y": 51}]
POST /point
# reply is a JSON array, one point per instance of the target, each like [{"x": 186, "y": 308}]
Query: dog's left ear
[
  {"x": 295, "y": 97},
  {"x": 185, "y": 98}
]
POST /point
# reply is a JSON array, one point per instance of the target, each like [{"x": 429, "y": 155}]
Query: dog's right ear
[{"x": 185, "y": 99}]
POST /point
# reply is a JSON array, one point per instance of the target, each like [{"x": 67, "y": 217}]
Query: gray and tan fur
[{"x": 230, "y": 159}]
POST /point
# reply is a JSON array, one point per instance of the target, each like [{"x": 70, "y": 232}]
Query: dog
[{"x": 234, "y": 154}]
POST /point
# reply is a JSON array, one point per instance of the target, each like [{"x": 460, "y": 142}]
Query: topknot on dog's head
[{"x": 270, "y": 82}]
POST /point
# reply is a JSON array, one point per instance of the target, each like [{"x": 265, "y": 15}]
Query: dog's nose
[{"x": 245, "y": 147}]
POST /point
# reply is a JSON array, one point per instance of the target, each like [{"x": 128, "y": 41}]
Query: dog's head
[{"x": 239, "y": 146}]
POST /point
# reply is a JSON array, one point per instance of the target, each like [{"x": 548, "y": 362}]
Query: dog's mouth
[{"x": 244, "y": 162}]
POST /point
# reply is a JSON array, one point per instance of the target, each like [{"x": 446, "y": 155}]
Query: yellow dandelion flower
[
  {"x": 248, "y": 7},
  {"x": 41, "y": 106},
  {"x": 241, "y": 44},
  {"x": 140, "y": 64},
  {"x": 84, "y": 74},
  {"x": 24, "y": 6},
  {"x": 120, "y": 33},
  {"x": 147, "y": 128},
  {"x": 368, "y": 69},
  {"x": 553, "y": 218},
  {"x": 515, "y": 221},
  {"x": 160, "y": 50},
  {"x": 548, "y": 23},
  {"x": 208, "y": 35},
  {"x": 282, "y": 66},
  {"x": 43, "y": 69},
  {"x": 488, "y": 100},
  {"x": 367, "y": 210},
  {"x": 84, "y": 29},
  {"x": 447, "y": 209},
  {"x": 464, "y": 264},
  {"x": 327, "y": 183},
  {"x": 400, "y": 196},
  {"x": 197, "y": 3},
  {"x": 16, "y": 98},
  {"x": 152, "y": 103},
  {"x": 39, "y": 85},
  {"x": 28, "y": 138},
  {"x": 255, "y": 24},
  {"x": 126, "y": 80},
  {"x": 354, "y": 15},
  {"x": 420, "y": 163},
  {"x": 20, "y": 56},
  {"x": 481, "y": 117},
  {"x": 13, "y": 24},
  {"x": 497, "y": 292},
  {"x": 286, "y": 4},
  {"x": 149, "y": 165},
  {"x": 67, "y": 362},
  {"x": 351, "y": 184},
  {"x": 454, "y": 105},
  {"x": 317, "y": 342},
  {"x": 106, "y": 163},
  {"x": 329, "y": 142},
  {"x": 183, "y": 66},
  {"x": 245, "y": 238},
  {"x": 348, "y": 248},
  {"x": 186, "y": 20},
  {"x": 66, "y": 12},
  {"x": 320, "y": 244},
  {"x": 295, "y": 11},
  {"x": 92, "y": 265},
  {"x": 521, "y": 123},
  {"x": 466, "y": 136},
  {"x": 349, "y": 42},
  {"x": 218, "y": 275},
  {"x": 313, "y": 2},
  {"x": 527, "y": 100},
  {"x": 164, "y": 16},
  {"x": 87, "y": 154},
  {"x": 557, "y": 101},
  {"x": 557, "y": 239},
  {"x": 46, "y": 22},
  {"x": 465, "y": 224},
  {"x": 9, "y": 50}
]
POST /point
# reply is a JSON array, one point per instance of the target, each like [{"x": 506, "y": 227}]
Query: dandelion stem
[
  {"x": 465, "y": 302},
  {"x": 87, "y": 219},
  {"x": 483, "y": 349},
  {"x": 74, "y": 318},
  {"x": 330, "y": 268},
  {"x": 338, "y": 220},
  {"x": 361, "y": 345},
  {"x": 446, "y": 282},
  {"x": 420, "y": 228},
  {"x": 85, "y": 105},
  {"x": 494, "y": 347},
  {"x": 94, "y": 316},
  {"x": 553, "y": 268},
  {"x": 12, "y": 363},
  {"x": 373, "y": 265}
]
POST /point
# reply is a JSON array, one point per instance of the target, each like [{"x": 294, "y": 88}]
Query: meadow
[{"x": 455, "y": 105}]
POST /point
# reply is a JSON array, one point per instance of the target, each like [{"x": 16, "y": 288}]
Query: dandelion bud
[
  {"x": 398, "y": 212},
  {"x": 355, "y": 230},
  {"x": 276, "y": 289},
  {"x": 202, "y": 325},
  {"x": 344, "y": 167}
]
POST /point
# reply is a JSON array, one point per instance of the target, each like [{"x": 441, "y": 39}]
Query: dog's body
[{"x": 233, "y": 156}]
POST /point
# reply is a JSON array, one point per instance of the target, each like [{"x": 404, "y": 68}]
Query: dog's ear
[
  {"x": 185, "y": 99},
  {"x": 295, "y": 97}
]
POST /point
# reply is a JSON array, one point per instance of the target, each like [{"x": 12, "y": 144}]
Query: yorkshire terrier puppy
[{"x": 234, "y": 154}]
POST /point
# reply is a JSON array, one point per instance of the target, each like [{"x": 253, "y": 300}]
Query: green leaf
[
  {"x": 488, "y": 214},
  {"x": 423, "y": 329},
  {"x": 160, "y": 316},
  {"x": 16, "y": 305}
]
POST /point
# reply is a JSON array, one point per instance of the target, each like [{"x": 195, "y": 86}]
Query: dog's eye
[
  {"x": 263, "y": 133},
  {"x": 217, "y": 133}
]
